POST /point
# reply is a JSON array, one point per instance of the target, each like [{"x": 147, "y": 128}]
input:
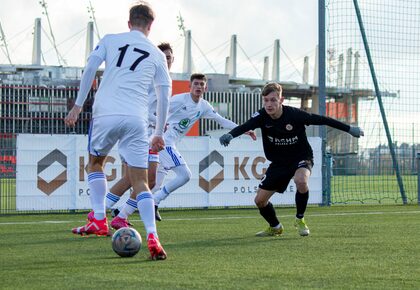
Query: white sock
[
  {"x": 111, "y": 199},
  {"x": 146, "y": 207},
  {"x": 160, "y": 195},
  {"x": 129, "y": 207},
  {"x": 160, "y": 177},
  {"x": 277, "y": 227},
  {"x": 97, "y": 188},
  {"x": 183, "y": 175}
]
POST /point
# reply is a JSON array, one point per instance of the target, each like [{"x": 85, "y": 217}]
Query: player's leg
[
  {"x": 275, "y": 179},
  {"x": 183, "y": 175},
  {"x": 134, "y": 147},
  {"x": 268, "y": 212},
  {"x": 301, "y": 179},
  {"x": 131, "y": 205},
  {"x": 115, "y": 193},
  {"x": 153, "y": 165},
  {"x": 151, "y": 177},
  {"x": 102, "y": 137},
  {"x": 172, "y": 159},
  {"x": 119, "y": 188},
  {"x": 160, "y": 177},
  {"x": 145, "y": 204},
  {"x": 120, "y": 215},
  {"x": 161, "y": 174},
  {"x": 98, "y": 224}
]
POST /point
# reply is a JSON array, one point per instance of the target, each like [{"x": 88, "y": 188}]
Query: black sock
[
  {"x": 301, "y": 200},
  {"x": 269, "y": 214}
]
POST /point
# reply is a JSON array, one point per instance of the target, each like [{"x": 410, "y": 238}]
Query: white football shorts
[
  {"x": 170, "y": 158},
  {"x": 129, "y": 131}
]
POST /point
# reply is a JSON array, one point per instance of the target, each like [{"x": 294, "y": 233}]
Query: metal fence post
[
  {"x": 329, "y": 160},
  {"x": 418, "y": 178}
]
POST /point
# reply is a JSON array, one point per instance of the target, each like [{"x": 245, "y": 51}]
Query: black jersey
[{"x": 284, "y": 139}]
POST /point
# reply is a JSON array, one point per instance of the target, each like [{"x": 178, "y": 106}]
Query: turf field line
[
  {"x": 292, "y": 215},
  {"x": 231, "y": 217}
]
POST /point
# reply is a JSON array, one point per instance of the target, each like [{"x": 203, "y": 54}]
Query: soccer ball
[{"x": 126, "y": 242}]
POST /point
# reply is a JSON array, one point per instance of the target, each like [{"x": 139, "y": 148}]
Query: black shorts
[{"x": 278, "y": 175}]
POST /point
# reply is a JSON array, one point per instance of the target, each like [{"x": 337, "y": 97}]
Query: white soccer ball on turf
[{"x": 126, "y": 242}]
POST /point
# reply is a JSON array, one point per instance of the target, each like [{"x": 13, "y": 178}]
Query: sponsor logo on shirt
[
  {"x": 184, "y": 123},
  {"x": 283, "y": 141},
  {"x": 289, "y": 127}
]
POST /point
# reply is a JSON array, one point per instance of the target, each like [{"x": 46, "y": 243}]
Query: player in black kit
[{"x": 286, "y": 146}]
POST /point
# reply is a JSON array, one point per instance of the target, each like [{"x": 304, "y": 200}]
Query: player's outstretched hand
[
  {"x": 356, "y": 131},
  {"x": 157, "y": 143},
  {"x": 251, "y": 134},
  {"x": 225, "y": 139}
]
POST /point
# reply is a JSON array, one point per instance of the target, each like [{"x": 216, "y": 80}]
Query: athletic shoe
[
  {"x": 90, "y": 216},
  {"x": 157, "y": 214},
  {"x": 270, "y": 232},
  {"x": 94, "y": 227},
  {"x": 114, "y": 212},
  {"x": 118, "y": 223},
  {"x": 156, "y": 250},
  {"x": 301, "y": 226}
]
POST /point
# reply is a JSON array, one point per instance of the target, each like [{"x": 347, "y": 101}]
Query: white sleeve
[
  {"x": 162, "y": 94},
  {"x": 87, "y": 78},
  {"x": 212, "y": 114},
  {"x": 176, "y": 102},
  {"x": 152, "y": 106},
  {"x": 163, "y": 87}
]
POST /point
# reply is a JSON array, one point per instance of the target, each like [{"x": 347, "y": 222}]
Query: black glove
[
  {"x": 225, "y": 139},
  {"x": 356, "y": 131}
]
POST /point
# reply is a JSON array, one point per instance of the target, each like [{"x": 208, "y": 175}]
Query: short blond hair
[{"x": 141, "y": 14}]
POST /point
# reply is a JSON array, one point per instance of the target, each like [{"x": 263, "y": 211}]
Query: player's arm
[
  {"x": 163, "y": 88},
  {"x": 85, "y": 84},
  {"x": 210, "y": 113},
  {"x": 152, "y": 109},
  {"x": 314, "y": 119},
  {"x": 249, "y": 125},
  {"x": 162, "y": 92},
  {"x": 225, "y": 123}
]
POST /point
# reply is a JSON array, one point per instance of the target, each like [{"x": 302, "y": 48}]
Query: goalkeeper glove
[
  {"x": 225, "y": 139},
  {"x": 356, "y": 131}
]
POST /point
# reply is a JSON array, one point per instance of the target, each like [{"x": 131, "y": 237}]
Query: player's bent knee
[
  {"x": 260, "y": 202},
  {"x": 186, "y": 178},
  {"x": 301, "y": 182},
  {"x": 186, "y": 174}
]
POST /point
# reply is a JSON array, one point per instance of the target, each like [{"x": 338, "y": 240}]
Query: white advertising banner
[{"x": 51, "y": 173}]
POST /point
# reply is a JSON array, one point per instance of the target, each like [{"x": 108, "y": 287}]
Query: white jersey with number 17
[{"x": 132, "y": 64}]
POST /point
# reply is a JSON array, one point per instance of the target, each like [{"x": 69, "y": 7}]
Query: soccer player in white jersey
[
  {"x": 184, "y": 110},
  {"x": 113, "y": 196},
  {"x": 120, "y": 109}
]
